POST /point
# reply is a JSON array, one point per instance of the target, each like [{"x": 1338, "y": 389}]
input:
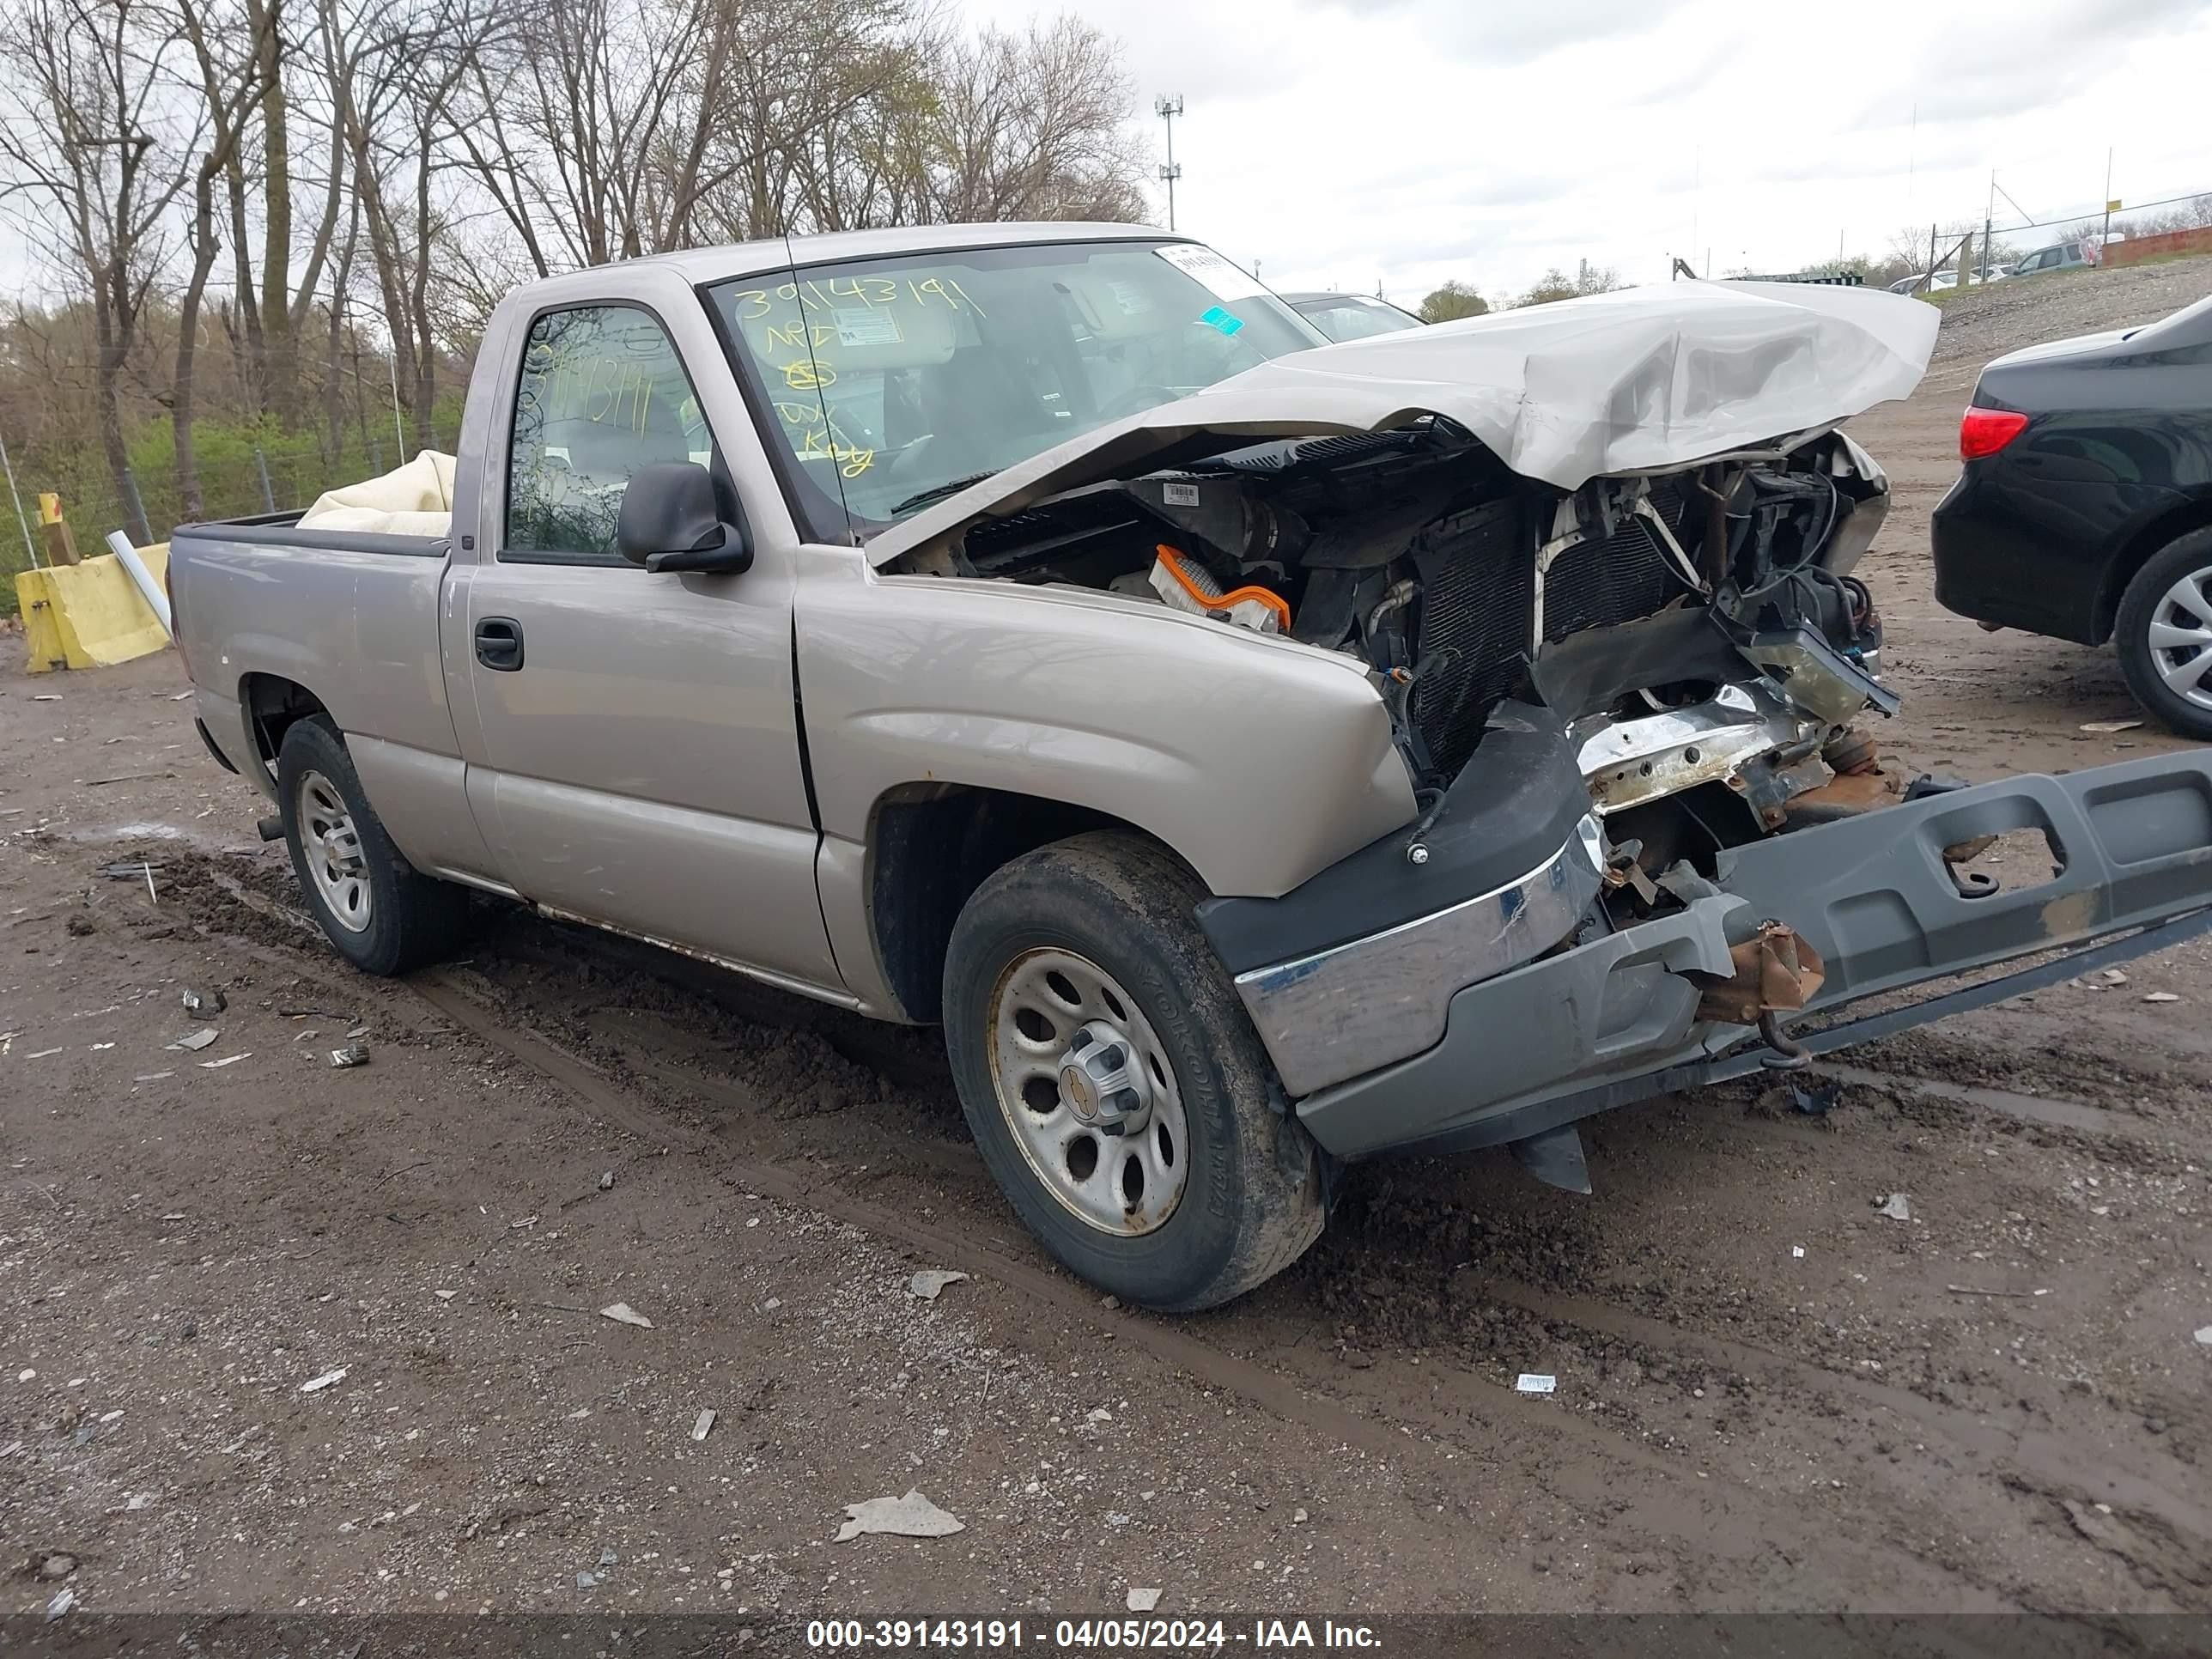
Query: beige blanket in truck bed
[{"x": 415, "y": 499}]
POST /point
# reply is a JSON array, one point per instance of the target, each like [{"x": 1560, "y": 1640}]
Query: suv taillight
[{"x": 1985, "y": 431}]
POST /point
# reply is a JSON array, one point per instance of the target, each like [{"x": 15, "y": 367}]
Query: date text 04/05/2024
[{"x": 1089, "y": 1635}]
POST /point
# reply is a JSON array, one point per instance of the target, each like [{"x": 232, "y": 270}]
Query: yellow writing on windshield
[
  {"x": 752, "y": 304},
  {"x": 825, "y": 444}
]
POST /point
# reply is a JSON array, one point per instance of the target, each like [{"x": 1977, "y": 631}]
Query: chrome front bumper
[
  {"x": 1329, "y": 1015},
  {"x": 1335, "y": 1013}
]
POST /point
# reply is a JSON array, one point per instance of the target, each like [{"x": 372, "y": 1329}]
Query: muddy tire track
[{"x": 1366, "y": 1343}]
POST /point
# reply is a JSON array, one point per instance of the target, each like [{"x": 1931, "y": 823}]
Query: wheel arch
[
  {"x": 931, "y": 846},
  {"x": 2139, "y": 549},
  {"x": 273, "y": 704}
]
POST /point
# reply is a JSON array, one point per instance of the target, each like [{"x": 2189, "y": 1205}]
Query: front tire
[
  {"x": 380, "y": 913},
  {"x": 1119, "y": 1094},
  {"x": 2163, "y": 635}
]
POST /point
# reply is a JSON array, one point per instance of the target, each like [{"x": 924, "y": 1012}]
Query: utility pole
[
  {"x": 1988, "y": 220},
  {"x": 1697, "y": 200},
  {"x": 2107, "y": 236},
  {"x": 1167, "y": 108}
]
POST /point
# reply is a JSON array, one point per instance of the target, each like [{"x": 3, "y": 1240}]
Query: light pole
[{"x": 1167, "y": 109}]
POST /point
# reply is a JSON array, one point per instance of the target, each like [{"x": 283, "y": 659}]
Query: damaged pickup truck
[{"x": 1258, "y": 755}]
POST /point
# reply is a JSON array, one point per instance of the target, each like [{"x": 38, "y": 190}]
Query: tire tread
[
  {"x": 1276, "y": 1176},
  {"x": 414, "y": 918}
]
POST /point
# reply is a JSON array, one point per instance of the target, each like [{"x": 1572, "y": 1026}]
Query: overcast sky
[{"x": 1339, "y": 142}]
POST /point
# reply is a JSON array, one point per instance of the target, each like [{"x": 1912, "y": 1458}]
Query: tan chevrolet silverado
[{"x": 1257, "y": 754}]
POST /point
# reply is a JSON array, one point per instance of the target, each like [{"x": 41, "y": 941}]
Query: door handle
[{"x": 499, "y": 644}]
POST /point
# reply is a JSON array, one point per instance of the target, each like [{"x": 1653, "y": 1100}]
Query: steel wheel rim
[
  {"x": 2181, "y": 638},
  {"x": 1049, "y": 1008},
  {"x": 331, "y": 847}
]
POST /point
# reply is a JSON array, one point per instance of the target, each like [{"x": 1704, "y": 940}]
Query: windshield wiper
[{"x": 938, "y": 492}]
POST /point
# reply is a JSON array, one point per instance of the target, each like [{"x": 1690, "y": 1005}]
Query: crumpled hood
[{"x": 1646, "y": 377}]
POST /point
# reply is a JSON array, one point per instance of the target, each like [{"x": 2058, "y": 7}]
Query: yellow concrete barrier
[{"x": 88, "y": 614}]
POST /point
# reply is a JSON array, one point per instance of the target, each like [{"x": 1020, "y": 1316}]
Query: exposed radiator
[
  {"x": 1480, "y": 592},
  {"x": 1601, "y": 584}
]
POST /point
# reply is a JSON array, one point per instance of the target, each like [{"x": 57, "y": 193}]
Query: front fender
[{"x": 1259, "y": 761}]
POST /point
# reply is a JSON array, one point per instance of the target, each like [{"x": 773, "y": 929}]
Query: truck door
[{"x": 635, "y": 756}]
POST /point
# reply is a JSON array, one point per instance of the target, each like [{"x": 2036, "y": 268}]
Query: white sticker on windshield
[
  {"x": 864, "y": 325},
  {"x": 1133, "y": 300},
  {"x": 1219, "y": 278}
]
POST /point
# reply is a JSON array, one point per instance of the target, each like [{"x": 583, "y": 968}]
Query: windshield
[
  {"x": 888, "y": 383},
  {"x": 1354, "y": 316}
]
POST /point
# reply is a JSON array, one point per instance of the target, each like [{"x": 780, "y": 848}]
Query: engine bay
[{"x": 1696, "y": 631}]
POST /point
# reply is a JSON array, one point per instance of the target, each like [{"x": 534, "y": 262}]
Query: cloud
[
  {"x": 1969, "y": 67},
  {"x": 1341, "y": 141},
  {"x": 1503, "y": 36}
]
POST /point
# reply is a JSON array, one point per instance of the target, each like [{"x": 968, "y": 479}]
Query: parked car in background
[
  {"x": 2078, "y": 255},
  {"x": 1352, "y": 316},
  {"x": 2084, "y": 509},
  {"x": 1921, "y": 282}
]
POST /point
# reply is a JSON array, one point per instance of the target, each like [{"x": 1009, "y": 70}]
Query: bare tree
[
  {"x": 236, "y": 55},
  {"x": 395, "y": 69},
  {"x": 1034, "y": 125},
  {"x": 576, "y": 116},
  {"x": 349, "y": 186},
  {"x": 272, "y": 312},
  {"x": 92, "y": 152},
  {"x": 838, "y": 123},
  {"x": 335, "y": 316},
  {"x": 606, "y": 129}
]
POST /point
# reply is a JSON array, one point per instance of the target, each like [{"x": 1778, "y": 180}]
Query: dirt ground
[{"x": 1770, "y": 1395}]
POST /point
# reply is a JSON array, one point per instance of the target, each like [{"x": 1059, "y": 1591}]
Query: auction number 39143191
[{"x": 1089, "y": 1635}]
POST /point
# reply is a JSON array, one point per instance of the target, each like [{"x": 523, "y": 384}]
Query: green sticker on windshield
[{"x": 1227, "y": 321}]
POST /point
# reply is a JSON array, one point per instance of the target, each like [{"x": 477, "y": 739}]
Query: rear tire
[
  {"x": 1209, "y": 1188},
  {"x": 380, "y": 913},
  {"x": 2169, "y": 601}
]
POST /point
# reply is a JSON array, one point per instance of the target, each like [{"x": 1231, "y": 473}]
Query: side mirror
[{"x": 672, "y": 519}]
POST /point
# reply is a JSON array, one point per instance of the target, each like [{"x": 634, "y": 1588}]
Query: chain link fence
[{"x": 238, "y": 478}]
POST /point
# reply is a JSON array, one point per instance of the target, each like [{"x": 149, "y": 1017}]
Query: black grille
[
  {"x": 1602, "y": 584},
  {"x": 1477, "y": 589}
]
